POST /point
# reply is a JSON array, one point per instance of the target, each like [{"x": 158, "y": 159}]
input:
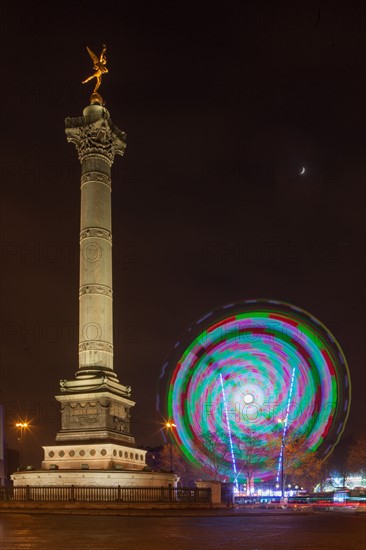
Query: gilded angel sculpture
[{"x": 99, "y": 66}]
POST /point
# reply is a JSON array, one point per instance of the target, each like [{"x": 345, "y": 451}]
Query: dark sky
[{"x": 223, "y": 103}]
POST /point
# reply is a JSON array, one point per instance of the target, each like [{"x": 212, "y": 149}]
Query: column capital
[{"x": 94, "y": 134}]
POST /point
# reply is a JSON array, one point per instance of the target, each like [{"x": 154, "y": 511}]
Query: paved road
[{"x": 333, "y": 531}]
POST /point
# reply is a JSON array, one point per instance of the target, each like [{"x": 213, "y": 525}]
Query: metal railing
[{"x": 73, "y": 493}]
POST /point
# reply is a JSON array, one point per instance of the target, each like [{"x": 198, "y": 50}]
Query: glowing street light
[
  {"x": 170, "y": 425},
  {"x": 21, "y": 426}
]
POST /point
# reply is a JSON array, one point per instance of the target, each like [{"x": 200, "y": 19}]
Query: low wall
[{"x": 93, "y": 478}]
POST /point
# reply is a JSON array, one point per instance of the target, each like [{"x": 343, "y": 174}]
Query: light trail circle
[{"x": 254, "y": 347}]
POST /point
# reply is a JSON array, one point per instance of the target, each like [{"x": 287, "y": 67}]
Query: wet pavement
[{"x": 323, "y": 531}]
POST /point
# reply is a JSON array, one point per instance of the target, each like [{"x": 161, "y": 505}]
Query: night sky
[{"x": 223, "y": 104}]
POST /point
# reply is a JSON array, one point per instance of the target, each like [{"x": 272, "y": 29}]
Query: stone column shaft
[
  {"x": 97, "y": 141},
  {"x": 95, "y": 314}
]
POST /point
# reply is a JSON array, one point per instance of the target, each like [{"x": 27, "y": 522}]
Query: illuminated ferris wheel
[{"x": 241, "y": 369}]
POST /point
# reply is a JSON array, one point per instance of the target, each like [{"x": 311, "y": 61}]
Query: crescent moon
[{"x": 302, "y": 171}]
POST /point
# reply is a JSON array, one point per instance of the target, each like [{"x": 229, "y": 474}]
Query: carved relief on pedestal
[
  {"x": 120, "y": 416},
  {"x": 80, "y": 415}
]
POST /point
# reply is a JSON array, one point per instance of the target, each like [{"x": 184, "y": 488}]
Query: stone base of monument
[
  {"x": 93, "y": 478},
  {"x": 93, "y": 456}
]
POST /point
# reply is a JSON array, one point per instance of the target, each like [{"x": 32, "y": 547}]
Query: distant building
[
  {"x": 12, "y": 457},
  {"x": 2, "y": 448},
  {"x": 350, "y": 482},
  {"x": 9, "y": 458}
]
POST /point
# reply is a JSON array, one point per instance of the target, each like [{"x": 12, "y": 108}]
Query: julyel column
[{"x": 97, "y": 141}]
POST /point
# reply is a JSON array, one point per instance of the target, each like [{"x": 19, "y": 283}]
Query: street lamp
[
  {"x": 170, "y": 425},
  {"x": 21, "y": 426}
]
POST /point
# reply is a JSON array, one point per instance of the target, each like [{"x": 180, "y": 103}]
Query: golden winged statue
[{"x": 99, "y": 66}]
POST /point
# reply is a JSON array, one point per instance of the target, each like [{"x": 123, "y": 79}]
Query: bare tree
[
  {"x": 357, "y": 456},
  {"x": 300, "y": 465},
  {"x": 215, "y": 453},
  {"x": 171, "y": 458},
  {"x": 253, "y": 456}
]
